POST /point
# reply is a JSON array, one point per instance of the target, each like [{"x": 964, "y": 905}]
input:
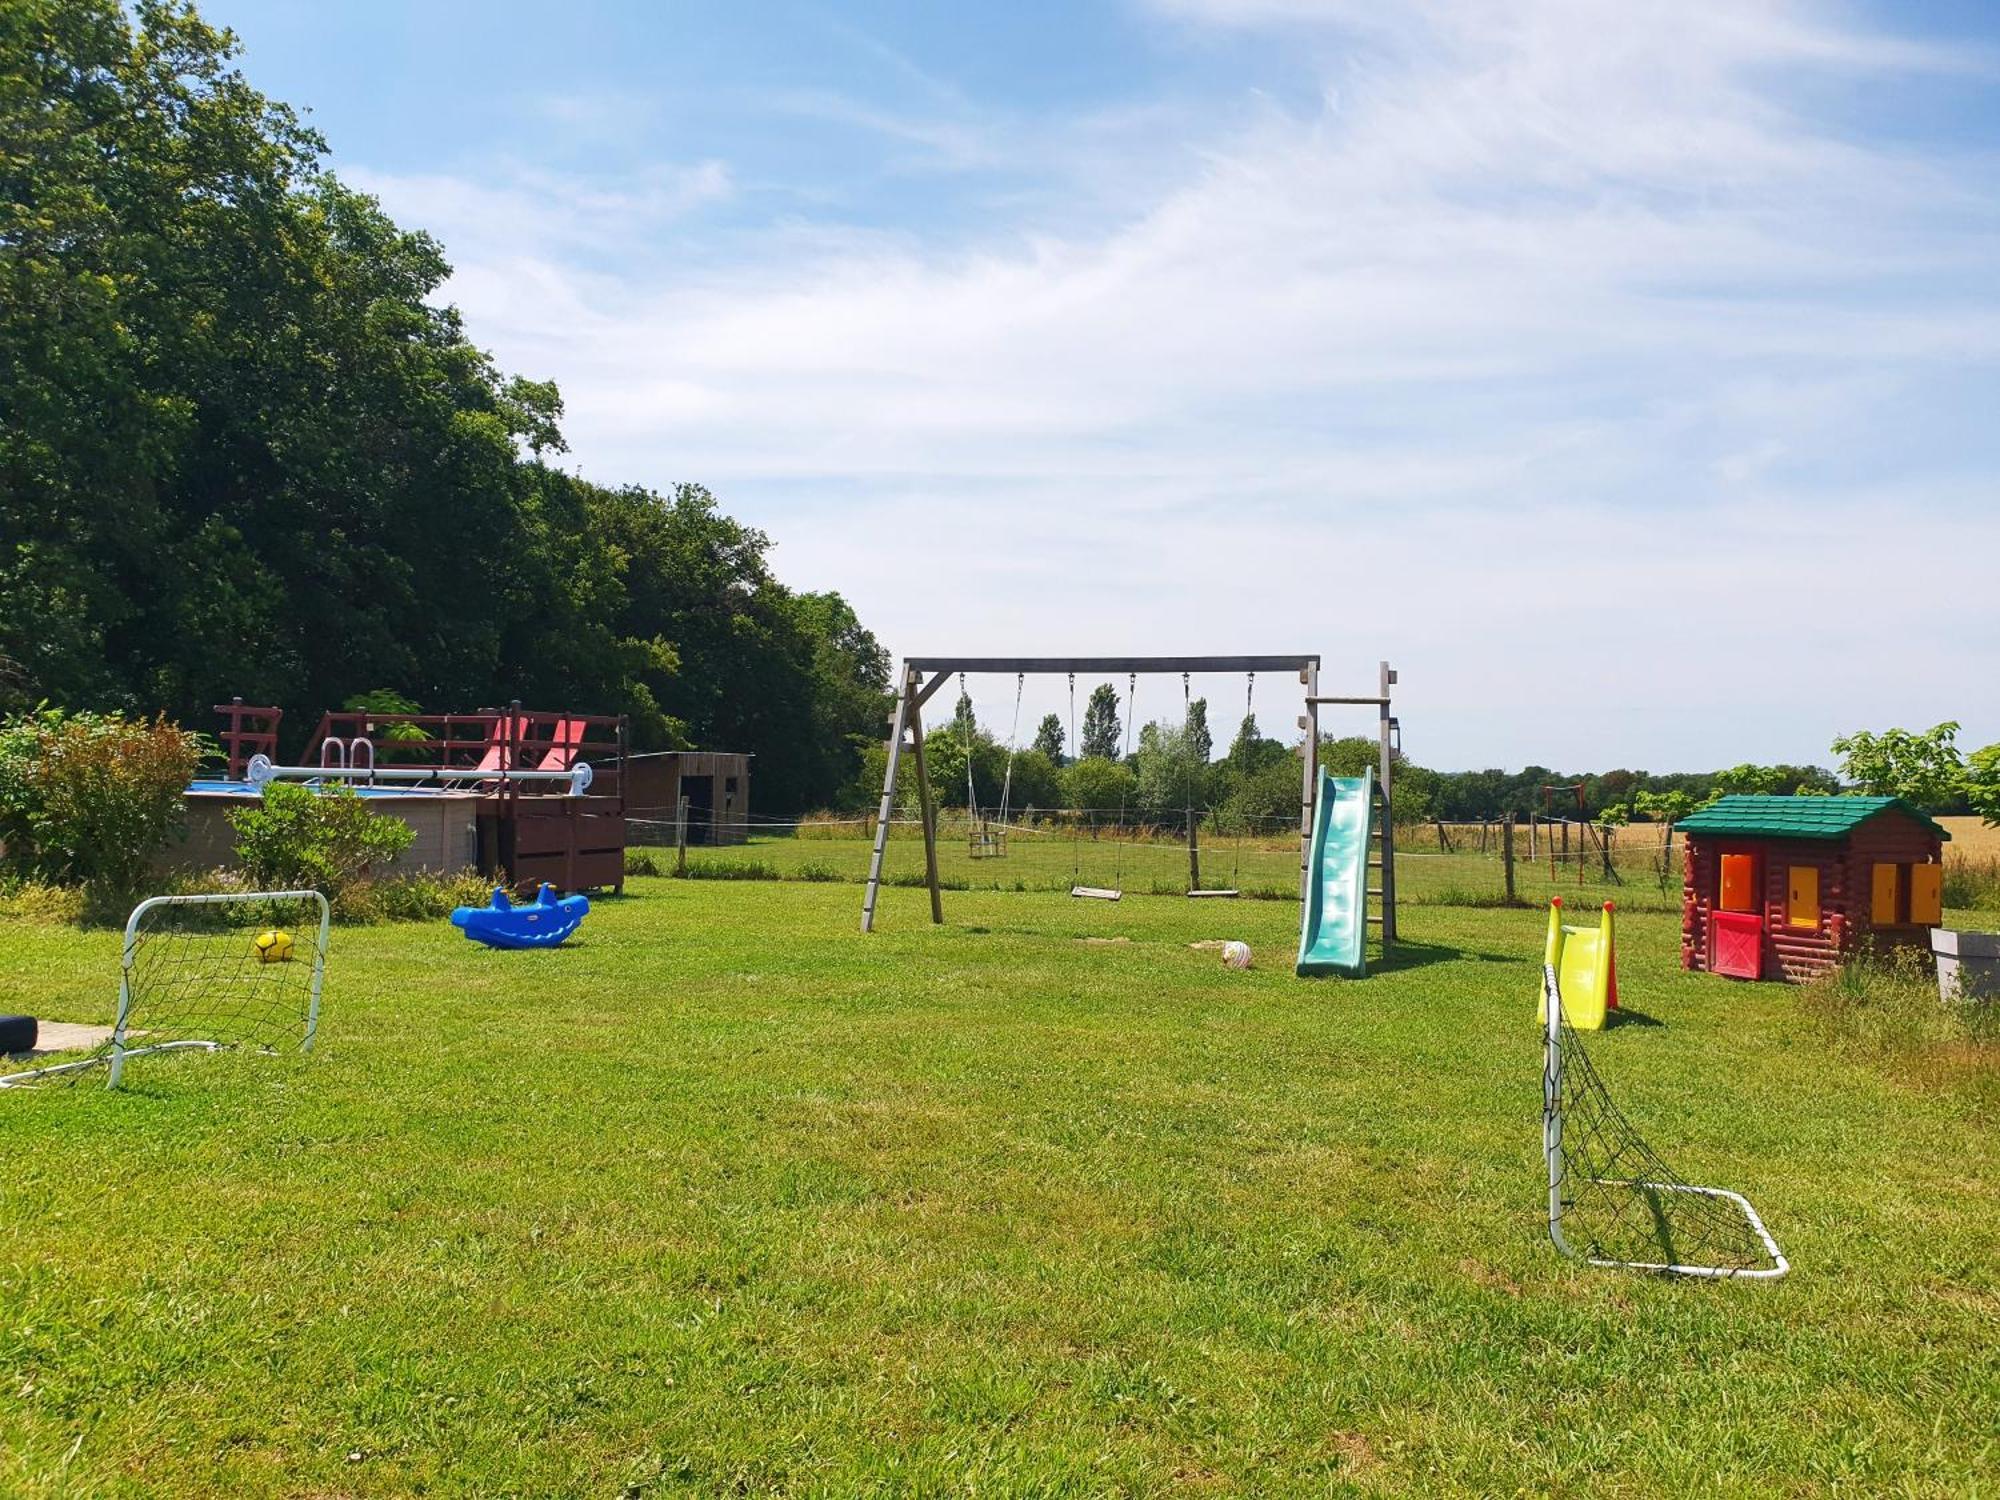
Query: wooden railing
[{"x": 247, "y": 730}]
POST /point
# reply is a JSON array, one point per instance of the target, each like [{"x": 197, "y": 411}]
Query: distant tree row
[
  {"x": 244, "y": 453},
  {"x": 1174, "y": 773}
]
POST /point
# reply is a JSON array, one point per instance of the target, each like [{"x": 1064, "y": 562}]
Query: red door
[{"x": 1736, "y": 944}]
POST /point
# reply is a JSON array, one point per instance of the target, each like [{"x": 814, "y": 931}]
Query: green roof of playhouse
[{"x": 1795, "y": 817}]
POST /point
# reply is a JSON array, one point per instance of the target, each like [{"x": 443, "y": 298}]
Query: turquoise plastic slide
[{"x": 1333, "y": 934}]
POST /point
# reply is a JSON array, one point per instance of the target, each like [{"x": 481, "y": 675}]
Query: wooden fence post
[
  {"x": 1507, "y": 854},
  {"x": 681, "y": 838}
]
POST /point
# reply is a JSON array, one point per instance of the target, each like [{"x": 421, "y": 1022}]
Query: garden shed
[
  {"x": 1786, "y": 887},
  {"x": 716, "y": 784}
]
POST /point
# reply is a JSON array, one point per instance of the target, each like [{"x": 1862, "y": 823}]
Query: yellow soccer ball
[{"x": 273, "y": 946}]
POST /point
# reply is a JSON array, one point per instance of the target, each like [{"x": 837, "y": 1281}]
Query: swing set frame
[{"x": 922, "y": 677}]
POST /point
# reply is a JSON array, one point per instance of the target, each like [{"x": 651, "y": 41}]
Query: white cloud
[
  {"x": 520, "y": 208},
  {"x": 1544, "y": 357}
]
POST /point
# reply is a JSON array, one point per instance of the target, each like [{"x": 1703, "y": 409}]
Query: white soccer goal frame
[
  {"x": 119, "y": 1053},
  {"x": 1552, "y": 1130}
]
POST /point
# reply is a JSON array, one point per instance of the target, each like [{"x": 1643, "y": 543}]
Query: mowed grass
[{"x": 726, "y": 1199}]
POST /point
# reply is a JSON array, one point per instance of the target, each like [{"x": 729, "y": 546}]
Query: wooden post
[
  {"x": 1604, "y": 837},
  {"x": 888, "y": 805},
  {"x": 1309, "y": 723},
  {"x": 1386, "y": 779},
  {"x": 681, "y": 837},
  {"x": 927, "y": 811},
  {"x": 1194, "y": 855},
  {"x": 1507, "y": 854}
]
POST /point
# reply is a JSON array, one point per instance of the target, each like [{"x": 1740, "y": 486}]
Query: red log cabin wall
[
  {"x": 1803, "y": 942},
  {"x": 1698, "y": 876},
  {"x": 1890, "y": 839}
]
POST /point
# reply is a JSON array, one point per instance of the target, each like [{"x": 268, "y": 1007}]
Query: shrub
[
  {"x": 38, "y": 901},
  {"x": 91, "y": 798},
  {"x": 749, "y": 869},
  {"x": 1265, "y": 798},
  {"x": 325, "y": 841},
  {"x": 1099, "y": 785},
  {"x": 644, "y": 862},
  {"x": 1972, "y": 884},
  {"x": 1889, "y": 1002},
  {"x": 421, "y": 896}
]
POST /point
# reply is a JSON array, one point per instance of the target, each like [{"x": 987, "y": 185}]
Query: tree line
[
  {"x": 1170, "y": 771},
  {"x": 245, "y": 454}
]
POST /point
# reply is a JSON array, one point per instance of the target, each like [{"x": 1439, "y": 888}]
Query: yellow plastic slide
[{"x": 1586, "y": 966}]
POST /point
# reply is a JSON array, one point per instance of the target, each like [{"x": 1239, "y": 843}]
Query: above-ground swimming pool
[
  {"x": 249, "y": 789},
  {"x": 445, "y": 823}
]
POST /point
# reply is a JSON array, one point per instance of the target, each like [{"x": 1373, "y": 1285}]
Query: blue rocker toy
[{"x": 542, "y": 923}]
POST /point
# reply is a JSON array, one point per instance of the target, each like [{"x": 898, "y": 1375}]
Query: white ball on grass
[{"x": 1235, "y": 955}]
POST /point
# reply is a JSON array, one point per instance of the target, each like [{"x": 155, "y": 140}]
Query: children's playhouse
[{"x": 1785, "y": 887}]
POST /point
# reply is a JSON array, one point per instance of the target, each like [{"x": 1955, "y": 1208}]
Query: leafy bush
[
  {"x": 1265, "y": 798},
  {"x": 393, "y": 742},
  {"x": 38, "y": 901},
  {"x": 325, "y": 841},
  {"x": 1095, "y": 784},
  {"x": 421, "y": 896},
  {"x": 1982, "y": 782},
  {"x": 91, "y": 798}
]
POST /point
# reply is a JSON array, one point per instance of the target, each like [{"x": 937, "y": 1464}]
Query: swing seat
[
  {"x": 1197, "y": 895},
  {"x": 1095, "y": 892}
]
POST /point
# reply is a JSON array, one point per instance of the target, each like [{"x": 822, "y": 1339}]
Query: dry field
[{"x": 1972, "y": 837}]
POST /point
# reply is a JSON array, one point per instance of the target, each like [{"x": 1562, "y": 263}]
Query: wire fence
[{"x": 1490, "y": 863}]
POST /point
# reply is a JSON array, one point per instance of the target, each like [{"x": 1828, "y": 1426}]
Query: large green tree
[
  {"x": 1921, "y": 767},
  {"x": 246, "y": 452},
  {"x": 1100, "y": 736},
  {"x": 1049, "y": 738}
]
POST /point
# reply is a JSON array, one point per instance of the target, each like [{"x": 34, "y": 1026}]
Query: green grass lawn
[{"x": 726, "y": 1199}]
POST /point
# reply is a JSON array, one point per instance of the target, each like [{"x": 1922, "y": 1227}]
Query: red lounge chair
[{"x": 563, "y": 748}]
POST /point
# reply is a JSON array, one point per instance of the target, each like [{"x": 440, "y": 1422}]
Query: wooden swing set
[{"x": 924, "y": 676}]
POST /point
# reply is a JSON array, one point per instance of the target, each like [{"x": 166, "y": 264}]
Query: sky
[{"x": 1627, "y": 375}]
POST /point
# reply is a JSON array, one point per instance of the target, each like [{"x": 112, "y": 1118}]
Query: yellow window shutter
[
  {"x": 1927, "y": 894},
  {"x": 1882, "y": 904},
  {"x": 1802, "y": 906}
]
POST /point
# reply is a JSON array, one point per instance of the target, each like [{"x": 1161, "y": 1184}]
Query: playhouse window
[
  {"x": 1927, "y": 894},
  {"x": 1802, "y": 897}
]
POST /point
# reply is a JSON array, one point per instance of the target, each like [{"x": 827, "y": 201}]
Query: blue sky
[{"x": 1625, "y": 374}]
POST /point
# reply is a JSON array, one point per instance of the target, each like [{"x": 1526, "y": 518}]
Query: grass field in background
[
  {"x": 1053, "y": 858},
  {"x": 1973, "y": 838},
  {"x": 727, "y": 1199}
]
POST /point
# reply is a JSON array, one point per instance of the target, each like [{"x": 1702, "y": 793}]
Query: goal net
[
  {"x": 1612, "y": 1200},
  {"x": 234, "y": 969}
]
